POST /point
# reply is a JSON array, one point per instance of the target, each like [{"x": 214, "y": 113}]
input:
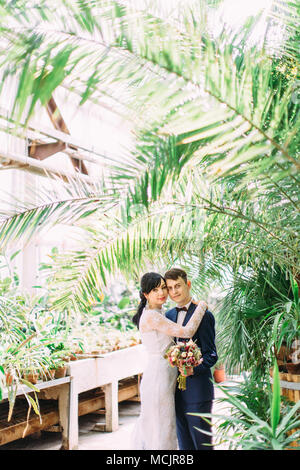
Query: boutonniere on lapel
[{"x": 184, "y": 355}]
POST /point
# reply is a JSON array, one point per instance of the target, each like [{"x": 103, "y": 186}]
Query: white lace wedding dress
[{"x": 156, "y": 426}]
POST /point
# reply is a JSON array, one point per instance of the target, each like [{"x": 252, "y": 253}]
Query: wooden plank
[
  {"x": 289, "y": 385},
  {"x": 54, "y": 428},
  {"x": 52, "y": 417},
  {"x": 41, "y": 151},
  {"x": 93, "y": 373},
  {"x": 128, "y": 392},
  {"x": 15, "y": 430},
  {"x": 90, "y": 405},
  {"x": 136, "y": 398},
  {"x": 73, "y": 429},
  {"x": 52, "y": 133},
  {"x": 40, "y": 385},
  {"x": 99, "y": 412},
  {"x": 97, "y": 403},
  {"x": 63, "y": 408},
  {"x": 111, "y": 406}
]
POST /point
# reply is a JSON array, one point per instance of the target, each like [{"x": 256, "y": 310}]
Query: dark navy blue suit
[{"x": 199, "y": 393}]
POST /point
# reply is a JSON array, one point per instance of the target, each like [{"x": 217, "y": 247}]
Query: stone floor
[{"x": 97, "y": 440}]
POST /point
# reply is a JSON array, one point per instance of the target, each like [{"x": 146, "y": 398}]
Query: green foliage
[
  {"x": 284, "y": 317},
  {"x": 255, "y": 309},
  {"x": 213, "y": 176},
  {"x": 39, "y": 340},
  {"x": 116, "y": 316},
  {"x": 258, "y": 419}
]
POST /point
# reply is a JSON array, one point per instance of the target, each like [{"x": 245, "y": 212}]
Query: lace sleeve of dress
[{"x": 152, "y": 320}]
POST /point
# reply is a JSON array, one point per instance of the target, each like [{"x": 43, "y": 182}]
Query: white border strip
[{"x": 289, "y": 385}]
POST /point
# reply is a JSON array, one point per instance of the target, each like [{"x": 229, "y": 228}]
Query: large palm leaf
[{"x": 205, "y": 106}]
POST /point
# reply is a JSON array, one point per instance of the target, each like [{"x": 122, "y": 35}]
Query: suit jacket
[{"x": 199, "y": 387}]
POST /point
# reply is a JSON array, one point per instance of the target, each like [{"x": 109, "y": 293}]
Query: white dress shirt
[{"x": 181, "y": 315}]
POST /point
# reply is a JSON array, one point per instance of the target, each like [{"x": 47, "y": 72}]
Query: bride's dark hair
[{"x": 148, "y": 282}]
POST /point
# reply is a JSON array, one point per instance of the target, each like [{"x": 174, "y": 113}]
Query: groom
[{"x": 199, "y": 393}]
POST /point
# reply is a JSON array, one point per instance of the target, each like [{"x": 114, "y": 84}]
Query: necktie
[{"x": 180, "y": 309}]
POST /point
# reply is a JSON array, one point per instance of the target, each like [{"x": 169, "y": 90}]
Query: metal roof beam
[
  {"x": 71, "y": 141},
  {"x": 59, "y": 123},
  {"x": 41, "y": 150},
  {"x": 21, "y": 162}
]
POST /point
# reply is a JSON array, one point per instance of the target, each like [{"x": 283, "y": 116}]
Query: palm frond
[
  {"x": 112, "y": 245},
  {"x": 216, "y": 131},
  {"x": 58, "y": 202}
]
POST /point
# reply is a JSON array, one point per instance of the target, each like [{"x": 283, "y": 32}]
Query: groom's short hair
[{"x": 175, "y": 273}]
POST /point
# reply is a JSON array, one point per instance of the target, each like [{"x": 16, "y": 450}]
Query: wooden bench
[
  {"x": 106, "y": 372},
  {"x": 15, "y": 428}
]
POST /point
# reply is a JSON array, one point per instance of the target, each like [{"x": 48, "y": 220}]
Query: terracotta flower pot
[
  {"x": 31, "y": 377},
  {"x": 66, "y": 359},
  {"x": 8, "y": 378},
  {"x": 60, "y": 372},
  {"x": 219, "y": 375}
]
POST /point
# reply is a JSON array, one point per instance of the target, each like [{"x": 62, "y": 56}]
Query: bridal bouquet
[{"x": 183, "y": 355}]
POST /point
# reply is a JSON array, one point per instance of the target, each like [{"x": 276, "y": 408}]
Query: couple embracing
[{"x": 164, "y": 422}]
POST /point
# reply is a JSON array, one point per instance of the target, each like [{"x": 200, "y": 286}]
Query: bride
[{"x": 156, "y": 425}]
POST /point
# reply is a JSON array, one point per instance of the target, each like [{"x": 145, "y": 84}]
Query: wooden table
[
  {"x": 88, "y": 374},
  {"x": 106, "y": 371},
  {"x": 58, "y": 389}
]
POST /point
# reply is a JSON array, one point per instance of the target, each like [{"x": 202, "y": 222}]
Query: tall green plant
[
  {"x": 257, "y": 313},
  {"x": 246, "y": 429},
  {"x": 284, "y": 317}
]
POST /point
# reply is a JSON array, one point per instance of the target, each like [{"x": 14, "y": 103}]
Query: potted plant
[
  {"x": 60, "y": 360},
  {"x": 60, "y": 371},
  {"x": 30, "y": 368},
  {"x": 219, "y": 373},
  {"x": 31, "y": 375}
]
